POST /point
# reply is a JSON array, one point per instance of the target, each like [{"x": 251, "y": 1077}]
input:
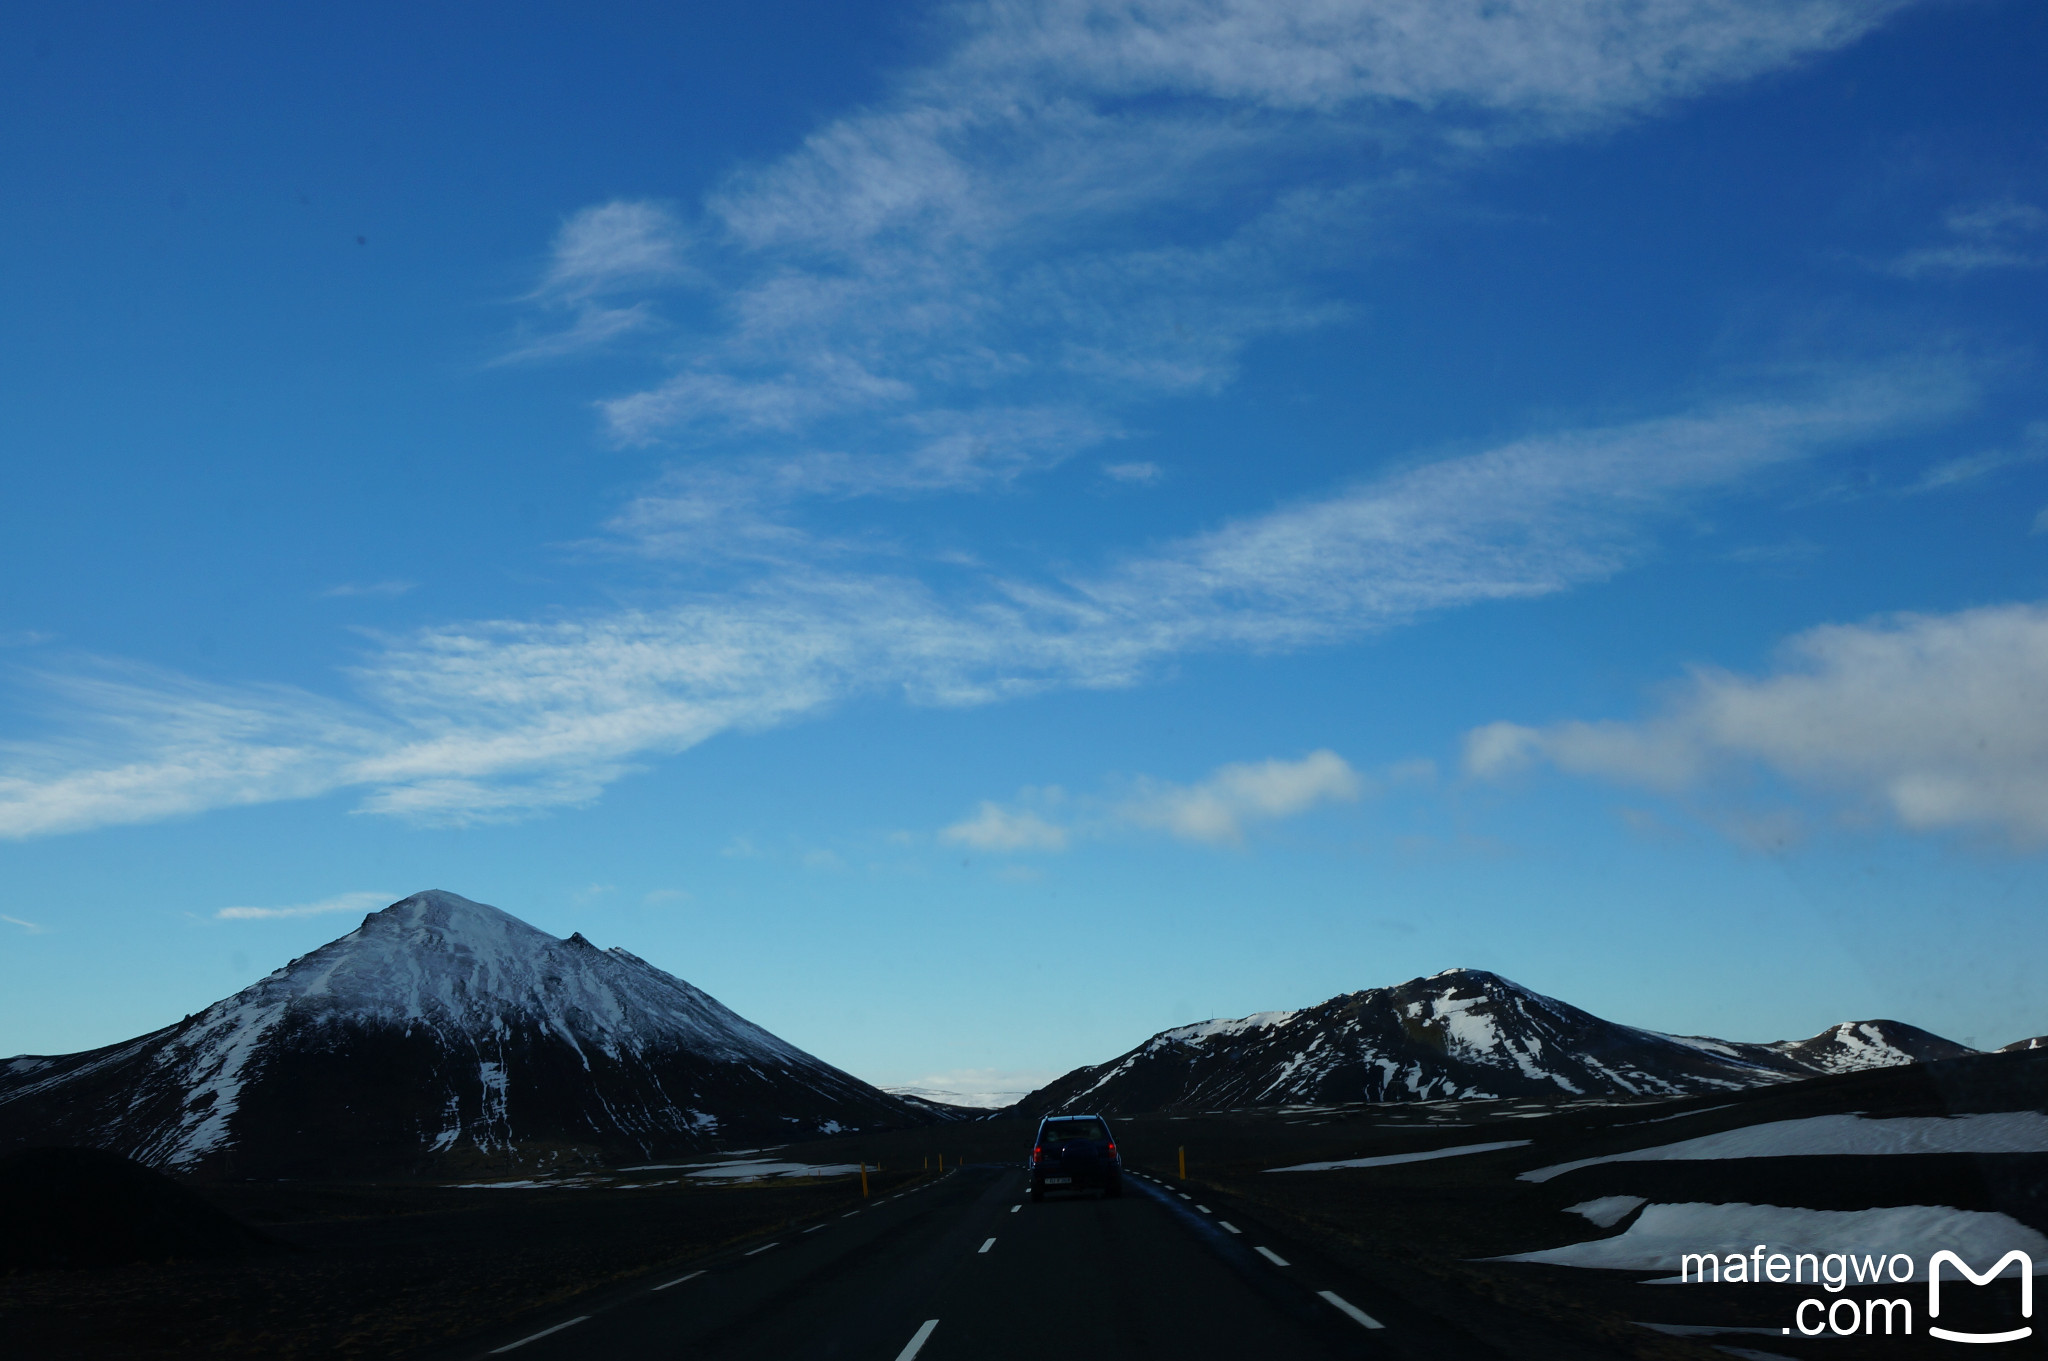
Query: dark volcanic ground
[
  {"x": 382, "y": 1270},
  {"x": 387, "y": 1269}
]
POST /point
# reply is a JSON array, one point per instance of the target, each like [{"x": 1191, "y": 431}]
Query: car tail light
[
  {"x": 1038, "y": 1154},
  {"x": 1112, "y": 1150}
]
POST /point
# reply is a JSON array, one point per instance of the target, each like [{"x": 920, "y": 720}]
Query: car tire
[
  {"x": 1113, "y": 1190},
  {"x": 1037, "y": 1193}
]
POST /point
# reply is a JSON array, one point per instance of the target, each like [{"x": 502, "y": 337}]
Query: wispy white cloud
[
  {"x": 2003, "y": 234},
  {"x": 501, "y": 718},
  {"x": 1078, "y": 207},
  {"x": 1217, "y": 809},
  {"x": 592, "y": 327},
  {"x": 1132, "y": 472},
  {"x": 600, "y": 252},
  {"x": 33, "y": 928},
  {"x": 368, "y": 588},
  {"x": 1955, "y": 472},
  {"x": 996, "y": 828},
  {"x": 733, "y": 508},
  {"x": 611, "y": 245},
  {"x": 341, "y": 902},
  {"x": 1107, "y": 202},
  {"x": 139, "y": 745},
  {"x": 1936, "y": 720}
]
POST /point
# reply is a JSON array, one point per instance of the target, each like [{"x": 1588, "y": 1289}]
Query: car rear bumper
[{"x": 1056, "y": 1177}]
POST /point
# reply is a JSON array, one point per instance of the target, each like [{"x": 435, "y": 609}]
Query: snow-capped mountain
[
  {"x": 440, "y": 1030},
  {"x": 1463, "y": 1033}
]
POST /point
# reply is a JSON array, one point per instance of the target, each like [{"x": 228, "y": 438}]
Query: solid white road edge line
[
  {"x": 765, "y": 1246},
  {"x": 539, "y": 1335},
  {"x": 917, "y": 1340},
  {"x": 679, "y": 1280},
  {"x": 986, "y": 1246},
  {"x": 1357, "y": 1314},
  {"x": 1229, "y": 1226},
  {"x": 1275, "y": 1258}
]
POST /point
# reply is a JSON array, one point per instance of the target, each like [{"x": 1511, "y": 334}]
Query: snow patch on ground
[
  {"x": 755, "y": 1169},
  {"x": 1606, "y": 1211},
  {"x": 1662, "y": 1234},
  {"x": 1843, "y": 1135},
  {"x": 1390, "y": 1159}
]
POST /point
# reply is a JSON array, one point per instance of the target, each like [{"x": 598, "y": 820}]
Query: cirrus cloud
[
  {"x": 501, "y": 718},
  {"x": 341, "y": 902}
]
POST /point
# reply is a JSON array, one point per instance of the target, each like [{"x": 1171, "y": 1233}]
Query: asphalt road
[{"x": 967, "y": 1268}]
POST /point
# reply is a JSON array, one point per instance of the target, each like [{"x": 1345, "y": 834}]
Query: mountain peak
[
  {"x": 1460, "y": 1033},
  {"x": 436, "y": 909},
  {"x": 443, "y": 1025}
]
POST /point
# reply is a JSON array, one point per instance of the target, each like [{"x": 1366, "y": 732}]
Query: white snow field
[
  {"x": 1664, "y": 1233},
  {"x": 756, "y": 1169},
  {"x": 1852, "y": 1135},
  {"x": 1390, "y": 1159},
  {"x": 1606, "y": 1211}
]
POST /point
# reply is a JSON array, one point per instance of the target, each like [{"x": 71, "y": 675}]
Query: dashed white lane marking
[
  {"x": 1230, "y": 1227},
  {"x": 543, "y": 1333},
  {"x": 1275, "y": 1258},
  {"x": 1205, "y": 1209},
  {"x": 765, "y": 1246},
  {"x": 679, "y": 1280},
  {"x": 917, "y": 1340},
  {"x": 1183, "y": 1195},
  {"x": 986, "y": 1246},
  {"x": 849, "y": 1214},
  {"x": 814, "y": 1228},
  {"x": 1356, "y": 1314},
  {"x": 1015, "y": 1208}
]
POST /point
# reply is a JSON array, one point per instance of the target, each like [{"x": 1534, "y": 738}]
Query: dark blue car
[{"x": 1075, "y": 1153}]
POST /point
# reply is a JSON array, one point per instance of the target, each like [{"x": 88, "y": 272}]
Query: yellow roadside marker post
[
  {"x": 863, "y": 1178},
  {"x": 1183, "y": 1162}
]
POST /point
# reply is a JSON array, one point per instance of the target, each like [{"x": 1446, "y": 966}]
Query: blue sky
[{"x": 976, "y": 533}]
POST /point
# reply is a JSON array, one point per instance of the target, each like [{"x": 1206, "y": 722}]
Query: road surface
[{"x": 967, "y": 1268}]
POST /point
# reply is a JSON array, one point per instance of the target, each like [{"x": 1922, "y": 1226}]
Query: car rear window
[{"x": 1063, "y": 1130}]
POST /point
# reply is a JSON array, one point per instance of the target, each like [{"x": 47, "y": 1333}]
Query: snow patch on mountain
[{"x": 1201, "y": 1031}]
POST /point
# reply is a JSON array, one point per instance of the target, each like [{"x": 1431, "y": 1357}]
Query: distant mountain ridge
[
  {"x": 441, "y": 1031},
  {"x": 1463, "y": 1033}
]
